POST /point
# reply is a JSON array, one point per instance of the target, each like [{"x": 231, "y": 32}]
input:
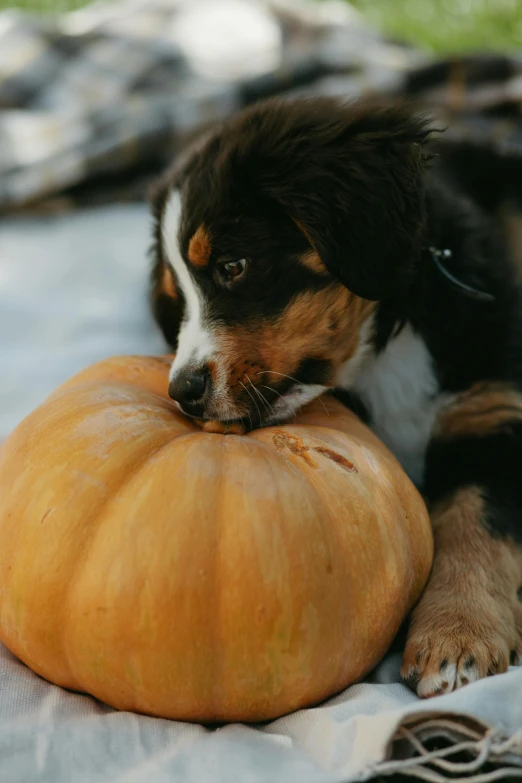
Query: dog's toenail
[{"x": 411, "y": 680}]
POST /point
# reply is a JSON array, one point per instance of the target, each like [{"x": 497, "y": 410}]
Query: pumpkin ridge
[{"x": 101, "y": 512}]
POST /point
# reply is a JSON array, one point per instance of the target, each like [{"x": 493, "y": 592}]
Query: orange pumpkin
[{"x": 198, "y": 576}]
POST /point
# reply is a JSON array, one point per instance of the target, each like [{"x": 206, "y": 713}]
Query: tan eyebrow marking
[
  {"x": 311, "y": 259},
  {"x": 167, "y": 285},
  {"x": 200, "y": 247}
]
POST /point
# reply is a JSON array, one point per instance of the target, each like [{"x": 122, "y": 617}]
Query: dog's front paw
[{"x": 454, "y": 644}]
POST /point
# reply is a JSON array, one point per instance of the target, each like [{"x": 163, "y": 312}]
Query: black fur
[
  {"x": 491, "y": 463},
  {"x": 365, "y": 164}
]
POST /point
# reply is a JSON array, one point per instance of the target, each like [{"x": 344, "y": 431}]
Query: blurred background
[{"x": 439, "y": 25}]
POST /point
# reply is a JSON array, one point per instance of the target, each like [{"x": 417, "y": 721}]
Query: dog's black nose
[{"x": 190, "y": 389}]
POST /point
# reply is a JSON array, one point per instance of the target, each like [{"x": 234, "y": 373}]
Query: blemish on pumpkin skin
[
  {"x": 45, "y": 515},
  {"x": 337, "y": 458},
  {"x": 295, "y": 444}
]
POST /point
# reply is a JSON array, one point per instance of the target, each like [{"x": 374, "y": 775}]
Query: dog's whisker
[
  {"x": 259, "y": 394},
  {"x": 293, "y": 379},
  {"x": 263, "y": 399},
  {"x": 253, "y": 400},
  {"x": 282, "y": 374},
  {"x": 320, "y": 398},
  {"x": 273, "y": 390},
  {"x": 294, "y": 413},
  {"x": 296, "y": 381}
]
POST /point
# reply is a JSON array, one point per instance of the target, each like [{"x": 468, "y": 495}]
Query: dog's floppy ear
[
  {"x": 352, "y": 180},
  {"x": 166, "y": 300}
]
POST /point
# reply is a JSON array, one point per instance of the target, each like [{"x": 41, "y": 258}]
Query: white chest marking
[
  {"x": 195, "y": 342},
  {"x": 400, "y": 389}
]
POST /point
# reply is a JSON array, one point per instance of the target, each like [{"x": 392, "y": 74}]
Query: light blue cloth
[{"x": 73, "y": 290}]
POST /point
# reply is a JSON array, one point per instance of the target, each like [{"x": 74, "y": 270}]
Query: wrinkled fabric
[
  {"x": 50, "y": 735},
  {"x": 73, "y": 291}
]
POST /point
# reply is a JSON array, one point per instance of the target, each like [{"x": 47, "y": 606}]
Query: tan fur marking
[
  {"x": 312, "y": 260},
  {"x": 167, "y": 285},
  {"x": 469, "y": 619},
  {"x": 200, "y": 248},
  {"x": 303, "y": 230},
  {"x": 481, "y": 410},
  {"x": 325, "y": 325}
]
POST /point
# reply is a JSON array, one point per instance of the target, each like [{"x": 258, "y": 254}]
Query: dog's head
[{"x": 275, "y": 238}]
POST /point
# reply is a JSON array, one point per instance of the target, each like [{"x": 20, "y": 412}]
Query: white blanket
[{"x": 72, "y": 291}]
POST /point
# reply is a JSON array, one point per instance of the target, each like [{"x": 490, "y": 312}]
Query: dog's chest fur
[{"x": 400, "y": 390}]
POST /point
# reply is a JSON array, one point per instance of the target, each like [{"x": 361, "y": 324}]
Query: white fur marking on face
[
  {"x": 300, "y": 394},
  {"x": 400, "y": 389},
  {"x": 195, "y": 341},
  {"x": 293, "y": 400},
  {"x": 349, "y": 371}
]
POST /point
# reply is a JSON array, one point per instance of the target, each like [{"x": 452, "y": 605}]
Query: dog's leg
[{"x": 468, "y": 623}]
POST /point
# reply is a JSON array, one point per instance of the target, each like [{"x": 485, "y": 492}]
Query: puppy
[{"x": 312, "y": 244}]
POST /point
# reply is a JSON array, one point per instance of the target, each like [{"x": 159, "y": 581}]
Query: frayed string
[{"x": 485, "y": 749}]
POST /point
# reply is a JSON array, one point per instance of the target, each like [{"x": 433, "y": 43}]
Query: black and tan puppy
[{"x": 311, "y": 244}]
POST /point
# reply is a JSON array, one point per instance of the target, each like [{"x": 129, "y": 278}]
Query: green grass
[
  {"x": 449, "y": 25},
  {"x": 439, "y": 25},
  {"x": 43, "y": 6}
]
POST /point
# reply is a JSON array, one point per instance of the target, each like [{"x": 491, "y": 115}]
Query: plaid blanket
[{"x": 94, "y": 102}]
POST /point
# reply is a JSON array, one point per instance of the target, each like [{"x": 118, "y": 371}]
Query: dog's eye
[{"x": 231, "y": 270}]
